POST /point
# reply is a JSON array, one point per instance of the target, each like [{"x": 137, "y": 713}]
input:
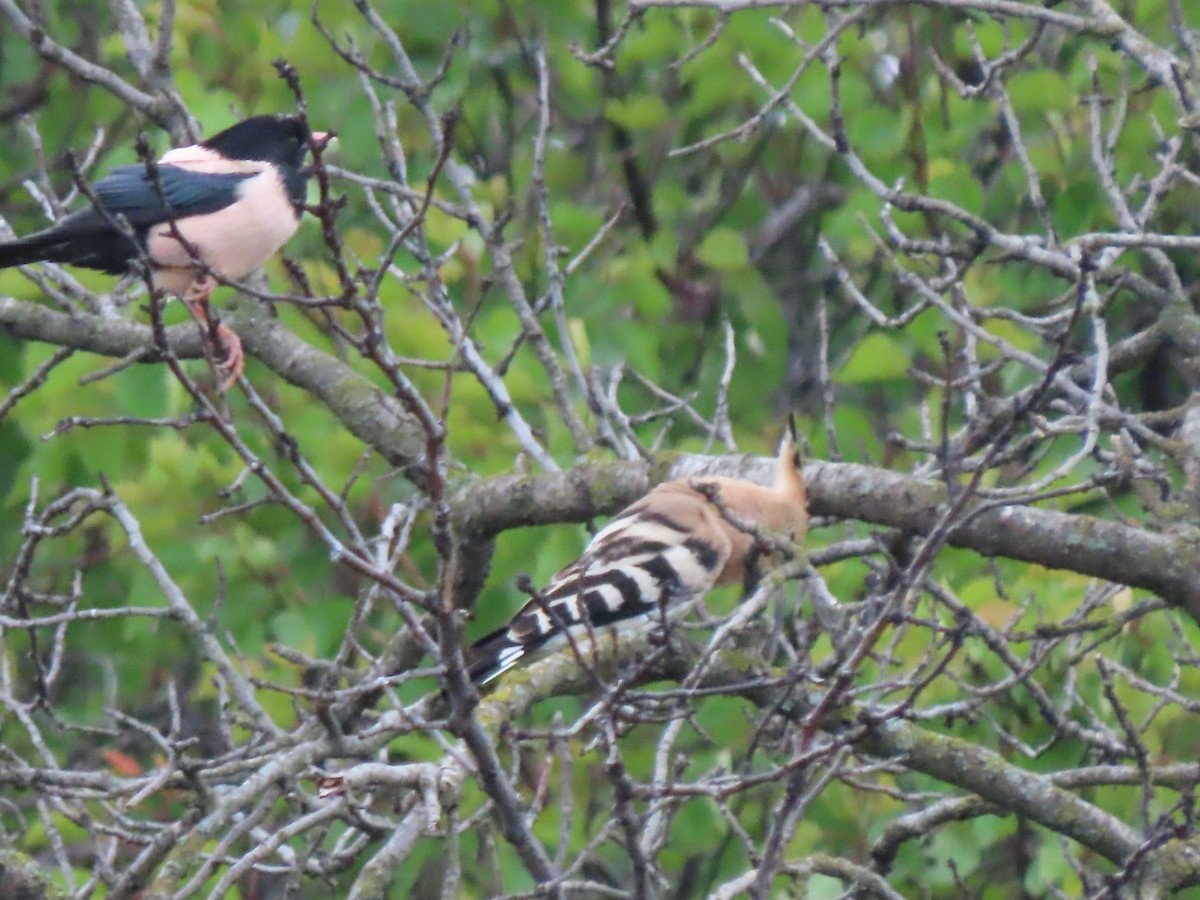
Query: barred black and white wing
[{"x": 656, "y": 554}]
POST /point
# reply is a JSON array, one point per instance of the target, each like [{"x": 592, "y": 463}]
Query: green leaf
[
  {"x": 14, "y": 447},
  {"x": 1038, "y": 91},
  {"x": 12, "y": 353},
  {"x": 954, "y": 181},
  {"x": 723, "y": 249},
  {"x": 292, "y": 627},
  {"x": 142, "y": 390},
  {"x": 642, "y": 111},
  {"x": 876, "y": 358}
]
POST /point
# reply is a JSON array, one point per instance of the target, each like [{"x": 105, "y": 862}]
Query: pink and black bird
[{"x": 214, "y": 211}]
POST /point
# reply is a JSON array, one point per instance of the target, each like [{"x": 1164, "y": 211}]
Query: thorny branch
[{"x": 846, "y": 673}]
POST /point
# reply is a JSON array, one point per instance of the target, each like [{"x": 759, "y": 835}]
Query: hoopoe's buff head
[
  {"x": 746, "y": 511},
  {"x": 790, "y": 485}
]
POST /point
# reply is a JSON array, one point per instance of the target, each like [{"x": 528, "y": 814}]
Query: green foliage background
[{"x": 652, "y": 297}]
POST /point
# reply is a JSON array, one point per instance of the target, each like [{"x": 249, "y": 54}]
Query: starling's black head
[{"x": 281, "y": 140}]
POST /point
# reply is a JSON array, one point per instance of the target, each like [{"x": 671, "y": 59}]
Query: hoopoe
[{"x": 672, "y": 546}]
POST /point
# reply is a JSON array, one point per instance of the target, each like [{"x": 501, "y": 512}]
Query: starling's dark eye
[{"x": 796, "y": 458}]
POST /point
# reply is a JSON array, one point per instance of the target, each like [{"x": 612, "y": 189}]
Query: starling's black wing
[{"x": 90, "y": 238}]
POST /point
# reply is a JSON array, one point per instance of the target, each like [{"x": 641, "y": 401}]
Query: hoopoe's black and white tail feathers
[{"x": 493, "y": 655}]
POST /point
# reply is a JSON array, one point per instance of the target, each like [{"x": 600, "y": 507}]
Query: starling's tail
[
  {"x": 83, "y": 239},
  {"x": 35, "y": 248}
]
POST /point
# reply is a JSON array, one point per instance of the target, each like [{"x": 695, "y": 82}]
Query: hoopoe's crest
[{"x": 673, "y": 545}]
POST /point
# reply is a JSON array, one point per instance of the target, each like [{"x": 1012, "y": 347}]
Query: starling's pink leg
[{"x": 226, "y": 344}]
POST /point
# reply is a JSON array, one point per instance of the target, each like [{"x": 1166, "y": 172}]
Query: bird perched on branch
[
  {"x": 673, "y": 545},
  {"x": 210, "y": 212}
]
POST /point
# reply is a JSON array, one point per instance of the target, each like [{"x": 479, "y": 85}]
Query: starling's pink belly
[{"x": 233, "y": 242}]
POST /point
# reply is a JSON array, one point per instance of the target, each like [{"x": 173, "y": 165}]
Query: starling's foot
[
  {"x": 233, "y": 360},
  {"x": 197, "y": 294},
  {"x": 226, "y": 345}
]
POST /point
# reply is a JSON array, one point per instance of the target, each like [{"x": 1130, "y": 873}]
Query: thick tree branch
[
  {"x": 1163, "y": 563},
  {"x": 963, "y": 764},
  {"x": 376, "y": 418}
]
